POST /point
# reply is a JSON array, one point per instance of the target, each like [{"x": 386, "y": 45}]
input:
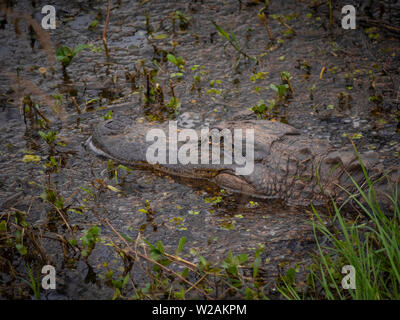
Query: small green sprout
[
  {"x": 280, "y": 89},
  {"x": 65, "y": 54},
  {"x": 108, "y": 115},
  {"x": 183, "y": 19},
  {"x": 286, "y": 77},
  {"x": 231, "y": 38},
  {"x": 174, "y": 104},
  {"x": 89, "y": 240},
  {"x": 179, "y": 62},
  {"x": 261, "y": 108},
  {"x": 93, "y": 24},
  {"x": 49, "y": 137},
  {"x": 312, "y": 89}
]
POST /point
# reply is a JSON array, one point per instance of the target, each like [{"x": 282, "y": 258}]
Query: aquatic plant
[
  {"x": 33, "y": 283},
  {"x": 198, "y": 72},
  {"x": 31, "y": 112},
  {"x": 173, "y": 104},
  {"x": 231, "y": 39},
  {"x": 108, "y": 115},
  {"x": 89, "y": 240},
  {"x": 312, "y": 89},
  {"x": 183, "y": 19},
  {"x": 50, "y": 138},
  {"x": 279, "y": 89},
  {"x": 261, "y": 109},
  {"x": 330, "y": 14},
  {"x": 52, "y": 197},
  {"x": 148, "y": 210},
  {"x": 286, "y": 77},
  {"x": 93, "y": 24},
  {"x": 178, "y": 61},
  {"x": 65, "y": 54},
  {"x": 263, "y": 16}
]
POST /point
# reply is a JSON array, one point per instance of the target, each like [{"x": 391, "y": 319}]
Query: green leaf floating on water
[
  {"x": 160, "y": 36},
  {"x": 31, "y": 158}
]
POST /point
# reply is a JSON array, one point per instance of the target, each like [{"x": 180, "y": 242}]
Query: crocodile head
[
  {"x": 125, "y": 141},
  {"x": 280, "y": 162}
]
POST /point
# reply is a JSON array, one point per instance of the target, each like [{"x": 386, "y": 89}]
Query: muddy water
[{"x": 344, "y": 83}]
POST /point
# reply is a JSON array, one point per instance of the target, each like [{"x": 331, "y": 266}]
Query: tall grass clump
[{"x": 371, "y": 244}]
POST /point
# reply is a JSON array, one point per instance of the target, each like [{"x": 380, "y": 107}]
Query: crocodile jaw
[{"x": 235, "y": 183}]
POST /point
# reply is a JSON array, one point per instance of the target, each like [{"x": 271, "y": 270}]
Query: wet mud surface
[{"x": 345, "y": 84}]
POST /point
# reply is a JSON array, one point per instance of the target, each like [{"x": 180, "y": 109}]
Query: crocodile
[{"x": 288, "y": 165}]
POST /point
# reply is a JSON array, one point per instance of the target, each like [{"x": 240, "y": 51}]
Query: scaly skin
[{"x": 287, "y": 165}]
